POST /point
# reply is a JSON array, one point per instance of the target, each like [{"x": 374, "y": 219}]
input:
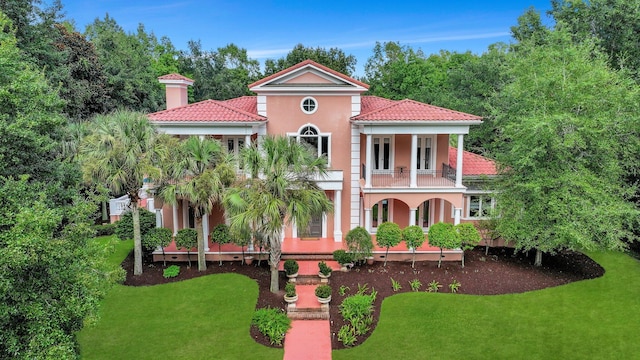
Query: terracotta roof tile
[
  {"x": 246, "y": 103},
  {"x": 472, "y": 164},
  {"x": 174, "y": 76},
  {"x": 206, "y": 111},
  {"x": 411, "y": 110},
  {"x": 371, "y": 103},
  {"x": 308, "y": 63}
]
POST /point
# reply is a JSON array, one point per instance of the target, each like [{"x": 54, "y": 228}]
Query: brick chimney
[{"x": 176, "y": 89}]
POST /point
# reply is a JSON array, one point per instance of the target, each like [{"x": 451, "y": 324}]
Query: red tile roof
[
  {"x": 370, "y": 103},
  {"x": 246, "y": 103},
  {"x": 472, "y": 164},
  {"x": 174, "y": 76},
  {"x": 411, "y": 110},
  {"x": 308, "y": 63},
  {"x": 206, "y": 111}
]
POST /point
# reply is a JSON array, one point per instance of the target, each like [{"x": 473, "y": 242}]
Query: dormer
[{"x": 308, "y": 78}]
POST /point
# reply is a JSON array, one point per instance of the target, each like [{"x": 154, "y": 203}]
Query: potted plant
[
  {"x": 343, "y": 258},
  {"x": 290, "y": 295},
  {"x": 323, "y": 293},
  {"x": 291, "y": 268},
  {"x": 325, "y": 270}
]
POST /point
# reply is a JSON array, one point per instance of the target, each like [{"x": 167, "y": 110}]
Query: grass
[
  {"x": 203, "y": 318},
  {"x": 592, "y": 319}
]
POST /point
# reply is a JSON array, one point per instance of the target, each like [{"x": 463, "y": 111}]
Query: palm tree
[
  {"x": 280, "y": 190},
  {"x": 121, "y": 150},
  {"x": 199, "y": 173}
]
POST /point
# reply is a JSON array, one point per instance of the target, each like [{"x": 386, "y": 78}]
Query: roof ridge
[
  {"x": 220, "y": 103},
  {"x": 306, "y": 63}
]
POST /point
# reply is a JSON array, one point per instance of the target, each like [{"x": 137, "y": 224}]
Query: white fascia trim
[
  {"x": 308, "y": 90},
  {"x": 203, "y": 129},
  {"x": 175, "y": 82},
  {"x": 452, "y": 190},
  {"x": 421, "y": 128}
]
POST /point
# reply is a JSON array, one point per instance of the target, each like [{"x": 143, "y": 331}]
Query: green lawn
[
  {"x": 203, "y": 318},
  {"x": 592, "y": 319}
]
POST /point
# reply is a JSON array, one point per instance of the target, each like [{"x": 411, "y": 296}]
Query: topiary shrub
[
  {"x": 388, "y": 235},
  {"x": 359, "y": 243},
  {"x": 157, "y": 237},
  {"x": 221, "y": 235},
  {"x": 323, "y": 291},
  {"x": 187, "y": 238},
  {"x": 342, "y": 257},
  {"x": 124, "y": 226},
  {"x": 291, "y": 267},
  {"x": 414, "y": 237}
]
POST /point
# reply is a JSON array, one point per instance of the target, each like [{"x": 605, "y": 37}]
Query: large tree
[
  {"x": 334, "y": 58},
  {"x": 123, "y": 149},
  {"x": 281, "y": 190},
  {"x": 199, "y": 173},
  {"x": 568, "y": 126}
]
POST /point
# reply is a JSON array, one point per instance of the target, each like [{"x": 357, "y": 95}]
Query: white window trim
[
  {"x": 302, "y": 105},
  {"x": 320, "y": 135},
  {"x": 391, "y": 154},
  {"x": 379, "y": 220},
  {"x": 467, "y": 205},
  {"x": 432, "y": 160}
]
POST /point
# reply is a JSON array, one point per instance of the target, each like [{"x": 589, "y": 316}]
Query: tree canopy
[{"x": 333, "y": 58}]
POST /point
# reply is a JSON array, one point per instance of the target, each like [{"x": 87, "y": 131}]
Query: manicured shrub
[
  {"x": 124, "y": 226},
  {"x": 187, "y": 238},
  {"x": 388, "y": 235},
  {"x": 291, "y": 266},
  {"x": 290, "y": 289},
  {"x": 414, "y": 237},
  {"x": 324, "y": 268},
  {"x": 342, "y": 257},
  {"x": 273, "y": 323},
  {"x": 323, "y": 291},
  {"x": 443, "y": 235},
  {"x": 157, "y": 237},
  {"x": 359, "y": 243},
  {"x": 221, "y": 235},
  {"x": 469, "y": 237},
  {"x": 105, "y": 229}
]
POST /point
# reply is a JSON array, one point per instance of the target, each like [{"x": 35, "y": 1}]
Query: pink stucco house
[{"x": 389, "y": 160}]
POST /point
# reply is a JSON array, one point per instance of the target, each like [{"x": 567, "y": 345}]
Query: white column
[
  {"x": 205, "y": 231},
  {"x": 337, "y": 216},
  {"x": 158, "y": 218},
  {"x": 185, "y": 214},
  {"x": 174, "y": 210},
  {"x": 294, "y": 229},
  {"x": 324, "y": 225},
  {"x": 247, "y": 141},
  {"x": 413, "y": 170},
  {"x": 459, "y": 161},
  {"x": 412, "y": 216},
  {"x": 441, "y": 218},
  {"x": 368, "y": 162},
  {"x": 282, "y": 234},
  {"x": 367, "y": 219},
  {"x": 456, "y": 216}
]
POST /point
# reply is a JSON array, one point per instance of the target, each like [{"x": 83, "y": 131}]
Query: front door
[{"x": 314, "y": 228}]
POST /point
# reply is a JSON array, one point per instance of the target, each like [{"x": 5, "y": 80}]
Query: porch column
[
  {"x": 459, "y": 161},
  {"x": 174, "y": 211},
  {"x": 337, "y": 216},
  {"x": 456, "y": 216},
  {"x": 441, "y": 217},
  {"x": 294, "y": 229},
  {"x": 158, "y": 218},
  {"x": 414, "y": 161},
  {"x": 367, "y": 175},
  {"x": 185, "y": 214},
  {"x": 412, "y": 216},
  {"x": 282, "y": 234},
  {"x": 367, "y": 219},
  {"x": 247, "y": 141},
  {"x": 324, "y": 225},
  {"x": 205, "y": 231}
]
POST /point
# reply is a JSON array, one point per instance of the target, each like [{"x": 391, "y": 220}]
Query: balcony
[{"x": 401, "y": 178}]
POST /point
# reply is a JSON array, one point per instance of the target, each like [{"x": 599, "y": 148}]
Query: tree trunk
[
  {"x": 413, "y": 260},
  {"x": 137, "y": 239},
  {"x": 105, "y": 216},
  {"x": 440, "y": 258},
  {"x": 386, "y": 255},
  {"x": 538, "y": 261},
  {"x": 275, "y": 252},
  {"x": 202, "y": 262},
  {"x": 463, "y": 259}
]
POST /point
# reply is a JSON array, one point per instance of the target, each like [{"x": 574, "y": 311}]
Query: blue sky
[{"x": 269, "y": 29}]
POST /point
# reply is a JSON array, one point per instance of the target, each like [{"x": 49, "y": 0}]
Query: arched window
[{"x": 309, "y": 135}]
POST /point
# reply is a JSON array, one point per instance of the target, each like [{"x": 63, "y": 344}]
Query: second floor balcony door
[{"x": 381, "y": 153}]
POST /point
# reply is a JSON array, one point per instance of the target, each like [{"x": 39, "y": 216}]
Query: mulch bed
[{"x": 499, "y": 272}]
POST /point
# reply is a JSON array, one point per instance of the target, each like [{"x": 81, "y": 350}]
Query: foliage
[
  {"x": 414, "y": 237},
  {"x": 171, "y": 272},
  {"x": 127, "y": 62},
  {"x": 347, "y": 336},
  {"x": 359, "y": 243},
  {"x": 291, "y": 266},
  {"x": 395, "y": 285},
  {"x": 221, "y": 235},
  {"x": 273, "y": 323},
  {"x": 388, "y": 234},
  {"x": 343, "y": 290},
  {"x": 433, "y": 286},
  {"x": 52, "y": 277},
  {"x": 124, "y": 226},
  {"x": 342, "y": 257},
  {"x": 281, "y": 190},
  {"x": 156, "y": 237},
  {"x": 105, "y": 229},
  {"x": 454, "y": 286},
  {"x": 219, "y": 75},
  {"x": 187, "y": 238},
  {"x": 415, "y": 285},
  {"x": 324, "y": 268},
  {"x": 334, "y": 58},
  {"x": 290, "y": 289},
  {"x": 443, "y": 235},
  {"x": 560, "y": 174},
  {"x": 469, "y": 237},
  {"x": 323, "y": 291}
]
